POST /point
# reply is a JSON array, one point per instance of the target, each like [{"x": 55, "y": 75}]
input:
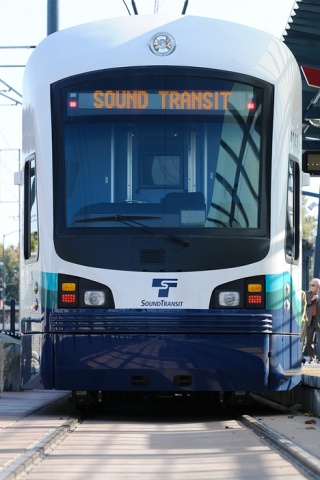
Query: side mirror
[
  {"x": 17, "y": 178},
  {"x": 305, "y": 179}
]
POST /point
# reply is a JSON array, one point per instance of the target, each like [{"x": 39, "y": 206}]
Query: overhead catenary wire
[
  {"x": 156, "y": 7},
  {"x": 124, "y": 2},
  {"x": 134, "y": 7},
  {"x": 16, "y": 46},
  {"x": 185, "y": 6},
  {"x": 9, "y": 89}
]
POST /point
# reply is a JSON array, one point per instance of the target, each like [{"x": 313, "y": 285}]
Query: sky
[{"x": 23, "y": 23}]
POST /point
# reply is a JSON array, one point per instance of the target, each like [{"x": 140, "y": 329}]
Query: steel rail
[{"x": 297, "y": 455}]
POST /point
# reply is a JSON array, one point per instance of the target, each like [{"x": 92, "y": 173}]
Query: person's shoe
[
  {"x": 312, "y": 360},
  {"x": 303, "y": 360}
]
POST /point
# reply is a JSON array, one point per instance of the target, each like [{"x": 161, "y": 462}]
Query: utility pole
[{"x": 52, "y": 16}]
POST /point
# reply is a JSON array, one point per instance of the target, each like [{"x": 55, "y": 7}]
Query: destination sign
[{"x": 110, "y": 101}]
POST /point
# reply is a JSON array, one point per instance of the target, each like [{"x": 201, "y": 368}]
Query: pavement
[
  {"x": 16, "y": 405},
  {"x": 23, "y": 420}
]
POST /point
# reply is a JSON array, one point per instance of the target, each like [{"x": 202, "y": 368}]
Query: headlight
[
  {"x": 249, "y": 292},
  {"x": 77, "y": 292},
  {"x": 94, "y": 298},
  {"x": 229, "y": 299}
]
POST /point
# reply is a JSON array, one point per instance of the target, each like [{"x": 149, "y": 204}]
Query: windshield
[{"x": 179, "y": 150}]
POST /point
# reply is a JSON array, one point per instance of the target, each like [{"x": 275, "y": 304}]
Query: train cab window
[
  {"x": 31, "y": 243},
  {"x": 126, "y": 143}
]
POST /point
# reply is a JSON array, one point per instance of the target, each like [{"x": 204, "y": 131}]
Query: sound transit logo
[{"x": 163, "y": 285}]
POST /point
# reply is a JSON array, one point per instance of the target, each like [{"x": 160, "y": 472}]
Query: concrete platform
[
  {"x": 16, "y": 405},
  {"x": 311, "y": 375},
  {"x": 306, "y": 396}
]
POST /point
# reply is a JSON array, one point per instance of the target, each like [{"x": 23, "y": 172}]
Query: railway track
[{"x": 157, "y": 443}]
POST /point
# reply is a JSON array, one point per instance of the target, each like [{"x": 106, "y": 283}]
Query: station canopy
[{"x": 302, "y": 36}]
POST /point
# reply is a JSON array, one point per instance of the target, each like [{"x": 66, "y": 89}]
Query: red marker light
[
  {"x": 251, "y": 106},
  {"x": 255, "y": 299},
  {"x": 73, "y": 103},
  {"x": 68, "y": 298}
]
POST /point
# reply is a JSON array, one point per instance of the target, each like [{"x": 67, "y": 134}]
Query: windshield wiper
[{"x": 131, "y": 221}]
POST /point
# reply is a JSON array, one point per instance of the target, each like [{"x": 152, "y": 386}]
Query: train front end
[{"x": 161, "y": 248}]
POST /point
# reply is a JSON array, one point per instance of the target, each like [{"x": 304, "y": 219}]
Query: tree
[
  {"x": 309, "y": 222},
  {"x": 11, "y": 262},
  {"x": 309, "y": 231}
]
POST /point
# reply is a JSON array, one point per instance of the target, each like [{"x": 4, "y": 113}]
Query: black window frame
[
  {"x": 58, "y": 104},
  {"x": 31, "y": 235},
  {"x": 292, "y": 237}
]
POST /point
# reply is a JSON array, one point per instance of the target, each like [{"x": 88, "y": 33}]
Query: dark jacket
[{"x": 309, "y": 309}]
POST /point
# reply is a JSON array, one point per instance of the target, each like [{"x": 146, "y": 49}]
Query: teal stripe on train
[
  {"x": 49, "y": 282},
  {"x": 278, "y": 288}
]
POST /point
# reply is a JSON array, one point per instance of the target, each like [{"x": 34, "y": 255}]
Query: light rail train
[{"x": 161, "y": 247}]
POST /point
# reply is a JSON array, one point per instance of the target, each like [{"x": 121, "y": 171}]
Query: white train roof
[{"x": 120, "y": 42}]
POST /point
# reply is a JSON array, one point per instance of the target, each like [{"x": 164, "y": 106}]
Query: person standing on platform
[
  {"x": 313, "y": 323},
  {"x": 304, "y": 321}
]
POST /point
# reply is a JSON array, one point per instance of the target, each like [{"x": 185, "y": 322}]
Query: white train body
[{"x": 162, "y": 177}]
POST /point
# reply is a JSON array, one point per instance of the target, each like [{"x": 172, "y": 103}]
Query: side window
[
  {"x": 293, "y": 213},
  {"x": 31, "y": 238}
]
